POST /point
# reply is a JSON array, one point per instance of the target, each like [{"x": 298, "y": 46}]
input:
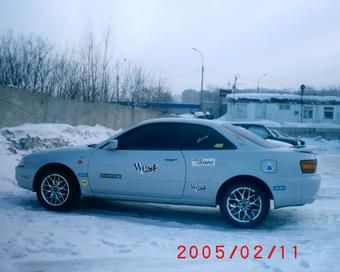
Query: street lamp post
[
  {"x": 117, "y": 78},
  {"x": 202, "y": 75},
  {"x": 258, "y": 82},
  {"x": 237, "y": 76},
  {"x": 302, "y": 89}
]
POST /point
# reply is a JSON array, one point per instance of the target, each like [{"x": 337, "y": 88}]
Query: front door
[{"x": 148, "y": 162}]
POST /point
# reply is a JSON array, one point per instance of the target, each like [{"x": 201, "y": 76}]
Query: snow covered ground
[{"x": 103, "y": 235}]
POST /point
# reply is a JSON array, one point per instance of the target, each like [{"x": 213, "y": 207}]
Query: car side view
[{"x": 177, "y": 161}]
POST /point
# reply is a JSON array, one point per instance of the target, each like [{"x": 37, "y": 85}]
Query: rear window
[{"x": 251, "y": 137}]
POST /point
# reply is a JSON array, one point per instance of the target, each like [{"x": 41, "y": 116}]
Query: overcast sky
[{"x": 293, "y": 42}]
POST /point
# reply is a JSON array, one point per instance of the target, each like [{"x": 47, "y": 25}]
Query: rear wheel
[
  {"x": 57, "y": 190},
  {"x": 244, "y": 205}
]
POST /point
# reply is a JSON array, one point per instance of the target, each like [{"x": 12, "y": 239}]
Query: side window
[
  {"x": 164, "y": 136},
  {"x": 328, "y": 113},
  {"x": 202, "y": 137}
]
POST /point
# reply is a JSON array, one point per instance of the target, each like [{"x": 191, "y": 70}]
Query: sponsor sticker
[
  {"x": 110, "y": 176},
  {"x": 218, "y": 145},
  {"x": 203, "y": 162},
  {"x": 145, "y": 168},
  {"x": 82, "y": 175},
  {"x": 269, "y": 166},
  {"x": 199, "y": 140},
  {"x": 197, "y": 188},
  {"x": 279, "y": 188},
  {"x": 84, "y": 182}
]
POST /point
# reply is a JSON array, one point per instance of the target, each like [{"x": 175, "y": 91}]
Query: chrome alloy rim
[
  {"x": 244, "y": 205},
  {"x": 55, "y": 190}
]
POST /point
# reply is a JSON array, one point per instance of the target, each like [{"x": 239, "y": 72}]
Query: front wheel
[
  {"x": 244, "y": 205},
  {"x": 57, "y": 190}
]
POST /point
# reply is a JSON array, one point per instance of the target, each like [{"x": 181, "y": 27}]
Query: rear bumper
[
  {"x": 310, "y": 187},
  {"x": 296, "y": 192}
]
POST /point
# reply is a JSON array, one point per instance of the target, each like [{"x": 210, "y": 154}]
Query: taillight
[{"x": 308, "y": 166}]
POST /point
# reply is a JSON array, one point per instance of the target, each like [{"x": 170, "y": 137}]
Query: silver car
[{"x": 177, "y": 161}]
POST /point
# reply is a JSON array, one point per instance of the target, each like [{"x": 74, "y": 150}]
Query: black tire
[
  {"x": 240, "y": 213},
  {"x": 63, "y": 198}
]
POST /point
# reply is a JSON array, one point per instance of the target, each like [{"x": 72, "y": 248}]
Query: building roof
[
  {"x": 166, "y": 105},
  {"x": 284, "y": 98}
]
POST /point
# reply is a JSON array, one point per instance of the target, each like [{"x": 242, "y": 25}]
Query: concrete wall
[{"x": 18, "y": 107}]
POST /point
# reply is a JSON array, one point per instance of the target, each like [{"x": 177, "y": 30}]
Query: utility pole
[
  {"x": 202, "y": 75},
  {"x": 302, "y": 88},
  {"x": 117, "y": 78},
  {"x": 258, "y": 82}
]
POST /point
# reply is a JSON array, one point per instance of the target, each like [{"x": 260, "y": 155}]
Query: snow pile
[
  {"x": 18, "y": 141},
  {"x": 36, "y": 137},
  {"x": 322, "y": 146}
]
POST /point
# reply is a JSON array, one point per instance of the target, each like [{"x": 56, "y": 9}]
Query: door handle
[{"x": 170, "y": 159}]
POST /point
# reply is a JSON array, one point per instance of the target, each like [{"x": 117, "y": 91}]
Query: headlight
[{"x": 23, "y": 162}]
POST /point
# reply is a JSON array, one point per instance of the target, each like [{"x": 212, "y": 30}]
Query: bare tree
[{"x": 88, "y": 73}]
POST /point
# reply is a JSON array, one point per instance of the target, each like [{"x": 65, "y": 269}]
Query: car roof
[
  {"x": 186, "y": 121},
  {"x": 248, "y": 124},
  {"x": 217, "y": 124}
]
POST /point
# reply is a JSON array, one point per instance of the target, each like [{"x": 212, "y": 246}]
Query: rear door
[
  {"x": 148, "y": 162},
  {"x": 207, "y": 153}
]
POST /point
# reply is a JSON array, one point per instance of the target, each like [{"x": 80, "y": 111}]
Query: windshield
[
  {"x": 92, "y": 145},
  {"x": 281, "y": 134},
  {"x": 250, "y": 136},
  {"x": 259, "y": 131}
]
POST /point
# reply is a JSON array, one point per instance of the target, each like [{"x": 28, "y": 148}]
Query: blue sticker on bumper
[
  {"x": 279, "y": 188},
  {"x": 82, "y": 175}
]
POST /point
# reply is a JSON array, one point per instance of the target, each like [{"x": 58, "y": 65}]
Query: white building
[{"x": 283, "y": 108}]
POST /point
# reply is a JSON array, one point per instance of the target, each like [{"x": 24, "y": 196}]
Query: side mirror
[{"x": 112, "y": 145}]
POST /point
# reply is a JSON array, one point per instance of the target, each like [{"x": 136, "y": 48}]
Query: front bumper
[{"x": 24, "y": 177}]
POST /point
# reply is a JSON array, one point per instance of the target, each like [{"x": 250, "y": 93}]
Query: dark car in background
[{"x": 267, "y": 133}]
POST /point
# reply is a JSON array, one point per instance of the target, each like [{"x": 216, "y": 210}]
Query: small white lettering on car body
[
  {"x": 203, "y": 162},
  {"x": 198, "y": 188}
]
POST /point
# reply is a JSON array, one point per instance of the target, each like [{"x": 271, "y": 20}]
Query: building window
[
  {"x": 284, "y": 107},
  {"x": 308, "y": 112},
  {"x": 328, "y": 113}
]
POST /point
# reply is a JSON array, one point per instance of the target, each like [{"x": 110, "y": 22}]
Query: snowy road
[{"x": 104, "y": 235}]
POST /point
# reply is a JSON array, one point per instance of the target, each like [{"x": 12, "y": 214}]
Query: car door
[
  {"x": 147, "y": 163},
  {"x": 206, "y": 154}
]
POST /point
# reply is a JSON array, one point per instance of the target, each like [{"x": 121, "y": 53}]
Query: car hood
[
  {"x": 281, "y": 144},
  {"x": 76, "y": 150}
]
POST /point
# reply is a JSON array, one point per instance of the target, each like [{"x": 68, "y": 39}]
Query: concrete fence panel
[{"x": 19, "y": 107}]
